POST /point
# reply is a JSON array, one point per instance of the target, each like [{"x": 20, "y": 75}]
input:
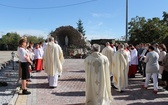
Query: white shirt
[
  {"x": 38, "y": 53},
  {"x": 22, "y": 54},
  {"x": 134, "y": 57}
]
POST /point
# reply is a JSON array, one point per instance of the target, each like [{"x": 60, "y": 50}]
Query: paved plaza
[
  {"x": 9, "y": 75},
  {"x": 71, "y": 89}
]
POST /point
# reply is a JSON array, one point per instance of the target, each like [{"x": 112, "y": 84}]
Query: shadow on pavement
[
  {"x": 6, "y": 94},
  {"x": 39, "y": 77},
  {"x": 73, "y": 79},
  {"x": 39, "y": 85},
  {"x": 77, "y": 104},
  {"x": 79, "y": 71},
  {"x": 75, "y": 93},
  {"x": 135, "y": 92},
  {"x": 150, "y": 103}
]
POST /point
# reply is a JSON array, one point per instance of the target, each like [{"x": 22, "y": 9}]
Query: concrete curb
[
  {"x": 15, "y": 96},
  {"x": 4, "y": 64}
]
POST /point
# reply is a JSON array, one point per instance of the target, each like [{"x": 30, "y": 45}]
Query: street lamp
[
  {"x": 13, "y": 54},
  {"x": 126, "y": 32}
]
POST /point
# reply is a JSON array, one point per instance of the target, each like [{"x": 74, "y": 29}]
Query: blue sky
[{"x": 101, "y": 18}]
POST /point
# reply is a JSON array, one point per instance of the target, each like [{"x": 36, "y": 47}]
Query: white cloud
[{"x": 104, "y": 15}]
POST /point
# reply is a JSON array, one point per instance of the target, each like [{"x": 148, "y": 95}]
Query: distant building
[{"x": 102, "y": 41}]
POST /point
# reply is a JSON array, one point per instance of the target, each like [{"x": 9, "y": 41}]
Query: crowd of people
[
  {"x": 110, "y": 67},
  {"x": 35, "y": 58},
  {"x": 115, "y": 64}
]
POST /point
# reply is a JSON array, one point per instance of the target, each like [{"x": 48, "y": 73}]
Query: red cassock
[
  {"x": 38, "y": 64},
  {"x": 132, "y": 70}
]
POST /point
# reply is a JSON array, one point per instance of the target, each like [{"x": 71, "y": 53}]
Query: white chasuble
[
  {"x": 53, "y": 59},
  {"x": 120, "y": 65},
  {"x": 109, "y": 52},
  {"x": 98, "y": 88}
]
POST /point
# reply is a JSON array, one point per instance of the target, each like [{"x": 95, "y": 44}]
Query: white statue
[{"x": 66, "y": 41}]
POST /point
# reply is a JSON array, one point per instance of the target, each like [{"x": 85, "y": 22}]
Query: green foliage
[
  {"x": 11, "y": 39},
  {"x": 165, "y": 17},
  {"x": 51, "y": 33},
  {"x": 35, "y": 39},
  {"x": 80, "y": 27},
  {"x": 152, "y": 30}
]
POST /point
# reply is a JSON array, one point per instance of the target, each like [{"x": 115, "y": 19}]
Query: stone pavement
[
  {"x": 71, "y": 90},
  {"x": 7, "y": 74},
  {"x": 5, "y": 56}
]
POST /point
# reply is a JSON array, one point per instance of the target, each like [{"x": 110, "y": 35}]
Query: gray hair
[
  {"x": 120, "y": 46},
  {"x": 96, "y": 48},
  {"x": 107, "y": 43},
  {"x": 51, "y": 39},
  {"x": 126, "y": 44}
]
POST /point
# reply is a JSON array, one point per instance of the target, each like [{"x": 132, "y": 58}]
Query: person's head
[
  {"x": 107, "y": 44},
  {"x": 40, "y": 43},
  {"x": 131, "y": 47},
  {"x": 156, "y": 45},
  {"x": 51, "y": 39},
  {"x": 46, "y": 41},
  {"x": 37, "y": 46},
  {"x": 126, "y": 45},
  {"x": 162, "y": 47},
  {"x": 138, "y": 46},
  {"x": 30, "y": 43},
  {"x": 142, "y": 45},
  {"x": 23, "y": 43},
  {"x": 120, "y": 46},
  {"x": 95, "y": 48},
  {"x": 151, "y": 48},
  {"x": 147, "y": 45}
]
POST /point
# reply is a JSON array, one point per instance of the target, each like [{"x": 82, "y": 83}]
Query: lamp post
[
  {"x": 13, "y": 54},
  {"x": 126, "y": 32}
]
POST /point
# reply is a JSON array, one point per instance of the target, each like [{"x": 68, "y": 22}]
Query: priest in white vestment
[
  {"x": 98, "y": 88},
  {"x": 53, "y": 60},
  {"x": 119, "y": 66},
  {"x": 128, "y": 58},
  {"x": 109, "y": 52}
]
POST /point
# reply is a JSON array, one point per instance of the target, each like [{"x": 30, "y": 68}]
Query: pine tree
[{"x": 80, "y": 27}]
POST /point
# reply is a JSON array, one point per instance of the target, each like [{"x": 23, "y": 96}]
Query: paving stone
[{"x": 71, "y": 89}]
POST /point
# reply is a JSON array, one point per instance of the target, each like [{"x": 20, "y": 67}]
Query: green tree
[
  {"x": 34, "y": 39},
  {"x": 80, "y": 27},
  {"x": 11, "y": 40},
  {"x": 165, "y": 17},
  {"x": 147, "y": 31},
  {"x": 51, "y": 33},
  {"x": 135, "y": 29}
]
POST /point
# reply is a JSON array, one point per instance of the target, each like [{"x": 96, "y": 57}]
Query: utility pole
[{"x": 126, "y": 32}]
